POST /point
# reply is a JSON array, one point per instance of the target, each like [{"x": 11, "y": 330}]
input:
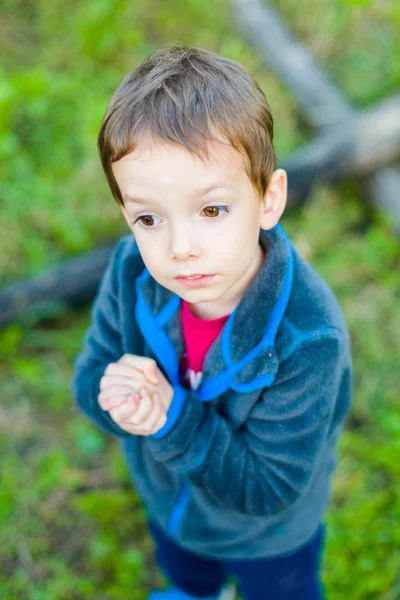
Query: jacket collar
[{"x": 243, "y": 355}]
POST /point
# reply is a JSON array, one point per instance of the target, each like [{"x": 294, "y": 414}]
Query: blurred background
[{"x": 70, "y": 524}]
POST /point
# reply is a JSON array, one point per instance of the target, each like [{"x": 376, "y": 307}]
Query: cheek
[
  {"x": 155, "y": 258},
  {"x": 150, "y": 252},
  {"x": 235, "y": 241}
]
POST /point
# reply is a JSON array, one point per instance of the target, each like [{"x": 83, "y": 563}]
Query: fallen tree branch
[
  {"x": 359, "y": 146},
  {"x": 321, "y": 102},
  {"x": 71, "y": 284}
]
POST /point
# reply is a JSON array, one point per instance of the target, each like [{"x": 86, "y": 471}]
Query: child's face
[{"x": 182, "y": 231}]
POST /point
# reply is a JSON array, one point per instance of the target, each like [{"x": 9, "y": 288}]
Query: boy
[{"x": 217, "y": 355}]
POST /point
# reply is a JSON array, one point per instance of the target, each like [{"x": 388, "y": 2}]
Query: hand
[
  {"x": 149, "y": 418},
  {"x": 122, "y": 394},
  {"x": 126, "y": 376}
]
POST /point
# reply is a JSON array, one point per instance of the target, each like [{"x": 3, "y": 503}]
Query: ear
[{"x": 274, "y": 201}]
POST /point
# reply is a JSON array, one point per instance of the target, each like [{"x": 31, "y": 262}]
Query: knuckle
[
  {"x": 118, "y": 412},
  {"x": 102, "y": 382},
  {"x": 136, "y": 419},
  {"x": 159, "y": 425}
]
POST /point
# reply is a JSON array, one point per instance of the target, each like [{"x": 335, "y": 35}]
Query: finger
[
  {"x": 144, "y": 364},
  {"x": 123, "y": 370},
  {"x": 108, "y": 380},
  {"x": 114, "y": 401},
  {"x": 138, "y": 429},
  {"x": 144, "y": 410},
  {"x": 125, "y": 410},
  {"x": 160, "y": 423},
  {"x": 116, "y": 390},
  {"x": 154, "y": 420}
]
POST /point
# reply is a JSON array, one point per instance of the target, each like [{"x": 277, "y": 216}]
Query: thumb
[
  {"x": 152, "y": 374},
  {"x": 146, "y": 365}
]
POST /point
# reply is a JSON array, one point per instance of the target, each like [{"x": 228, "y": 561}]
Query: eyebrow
[{"x": 202, "y": 191}]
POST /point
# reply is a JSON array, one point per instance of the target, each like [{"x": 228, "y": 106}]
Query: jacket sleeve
[
  {"x": 266, "y": 465},
  {"x": 101, "y": 346}
]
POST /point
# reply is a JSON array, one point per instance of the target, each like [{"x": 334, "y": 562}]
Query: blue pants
[{"x": 292, "y": 576}]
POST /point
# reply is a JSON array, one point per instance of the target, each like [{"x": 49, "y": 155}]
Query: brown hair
[{"x": 182, "y": 94}]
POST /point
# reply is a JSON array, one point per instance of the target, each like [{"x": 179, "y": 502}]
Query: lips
[
  {"x": 194, "y": 275},
  {"x": 193, "y": 281}
]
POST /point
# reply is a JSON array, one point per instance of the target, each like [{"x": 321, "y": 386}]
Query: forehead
[{"x": 167, "y": 165}]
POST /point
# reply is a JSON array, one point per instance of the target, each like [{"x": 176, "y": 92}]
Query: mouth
[
  {"x": 193, "y": 276},
  {"x": 195, "y": 280}
]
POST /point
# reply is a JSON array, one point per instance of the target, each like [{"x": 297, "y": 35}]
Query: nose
[{"x": 182, "y": 243}]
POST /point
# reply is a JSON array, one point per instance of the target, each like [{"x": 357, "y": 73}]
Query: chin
[{"x": 197, "y": 296}]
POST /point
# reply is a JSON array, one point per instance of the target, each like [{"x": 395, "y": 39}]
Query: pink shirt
[{"x": 198, "y": 334}]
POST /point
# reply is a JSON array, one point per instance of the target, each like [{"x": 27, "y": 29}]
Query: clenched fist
[{"x": 136, "y": 394}]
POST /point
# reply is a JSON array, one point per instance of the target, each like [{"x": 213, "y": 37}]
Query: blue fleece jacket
[{"x": 243, "y": 466}]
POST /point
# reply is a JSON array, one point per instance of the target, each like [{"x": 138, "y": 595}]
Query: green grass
[{"x": 71, "y": 525}]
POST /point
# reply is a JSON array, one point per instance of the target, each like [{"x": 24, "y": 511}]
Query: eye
[
  {"x": 146, "y": 221},
  {"x": 214, "y": 211}
]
